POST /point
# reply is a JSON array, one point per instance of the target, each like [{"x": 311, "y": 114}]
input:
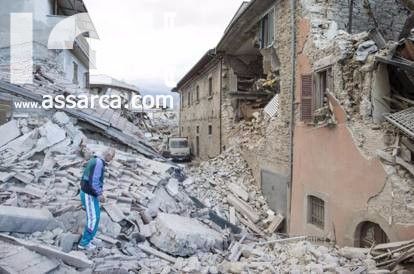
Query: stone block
[
  {"x": 182, "y": 236},
  {"x": 24, "y": 220}
]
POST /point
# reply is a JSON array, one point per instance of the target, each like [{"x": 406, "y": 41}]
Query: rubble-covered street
[{"x": 158, "y": 217}]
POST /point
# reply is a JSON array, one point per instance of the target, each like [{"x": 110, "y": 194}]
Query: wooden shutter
[{"x": 306, "y": 98}]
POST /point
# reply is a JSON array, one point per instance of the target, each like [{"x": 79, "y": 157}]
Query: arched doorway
[{"x": 369, "y": 233}]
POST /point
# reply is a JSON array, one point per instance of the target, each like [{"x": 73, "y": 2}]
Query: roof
[
  {"x": 71, "y": 7},
  {"x": 245, "y": 18},
  {"x": 107, "y": 81},
  {"x": 207, "y": 58}
]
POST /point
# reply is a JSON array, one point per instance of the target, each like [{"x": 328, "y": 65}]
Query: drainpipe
[
  {"x": 221, "y": 99},
  {"x": 351, "y": 10},
  {"x": 292, "y": 105}
]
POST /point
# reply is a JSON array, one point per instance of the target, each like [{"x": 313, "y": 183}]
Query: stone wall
[{"x": 202, "y": 113}]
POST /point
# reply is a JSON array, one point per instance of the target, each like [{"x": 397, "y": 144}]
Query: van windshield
[{"x": 178, "y": 143}]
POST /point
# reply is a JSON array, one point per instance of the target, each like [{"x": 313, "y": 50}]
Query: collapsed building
[{"x": 324, "y": 117}]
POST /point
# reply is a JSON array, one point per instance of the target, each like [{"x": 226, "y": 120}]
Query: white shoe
[{"x": 88, "y": 247}]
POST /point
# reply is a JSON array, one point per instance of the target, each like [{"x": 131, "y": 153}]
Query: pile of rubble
[
  {"x": 155, "y": 218},
  {"x": 225, "y": 184}
]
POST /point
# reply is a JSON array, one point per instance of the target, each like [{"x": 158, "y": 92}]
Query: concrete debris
[
  {"x": 24, "y": 220},
  {"x": 365, "y": 49},
  {"x": 182, "y": 236},
  {"x": 9, "y": 132}
]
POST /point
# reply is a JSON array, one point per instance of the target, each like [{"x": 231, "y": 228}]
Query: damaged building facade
[
  {"x": 343, "y": 189},
  {"x": 45, "y": 15},
  {"x": 250, "y": 67},
  {"x": 325, "y": 146}
]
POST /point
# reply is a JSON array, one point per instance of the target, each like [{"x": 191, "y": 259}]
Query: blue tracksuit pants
[{"x": 93, "y": 215}]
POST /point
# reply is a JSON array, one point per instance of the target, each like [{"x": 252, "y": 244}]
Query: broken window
[
  {"x": 267, "y": 30},
  {"x": 75, "y": 73},
  {"x": 315, "y": 105},
  {"x": 210, "y": 86},
  {"x": 210, "y": 130},
  {"x": 316, "y": 211}
]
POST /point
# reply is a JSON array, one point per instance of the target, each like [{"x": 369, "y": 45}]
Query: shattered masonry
[{"x": 240, "y": 210}]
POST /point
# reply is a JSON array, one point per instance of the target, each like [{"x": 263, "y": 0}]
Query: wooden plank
[
  {"x": 275, "y": 224},
  {"x": 243, "y": 208}
]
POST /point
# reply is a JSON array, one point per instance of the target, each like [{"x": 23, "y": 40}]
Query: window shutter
[{"x": 306, "y": 98}]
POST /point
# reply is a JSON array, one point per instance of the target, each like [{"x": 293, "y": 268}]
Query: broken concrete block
[
  {"x": 18, "y": 259},
  {"x": 51, "y": 134},
  {"x": 275, "y": 224},
  {"x": 9, "y": 132},
  {"x": 24, "y": 177},
  {"x": 244, "y": 209},
  {"x": 114, "y": 212},
  {"x": 172, "y": 187},
  {"x": 182, "y": 236},
  {"x": 74, "y": 258},
  {"x": 67, "y": 240},
  {"x": 108, "y": 227},
  {"x": 24, "y": 220},
  {"x": 60, "y": 118},
  {"x": 5, "y": 176},
  {"x": 239, "y": 191}
]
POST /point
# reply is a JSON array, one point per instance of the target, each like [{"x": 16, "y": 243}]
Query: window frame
[
  {"x": 75, "y": 76},
  {"x": 210, "y": 87},
  {"x": 267, "y": 29},
  {"x": 316, "y": 211}
]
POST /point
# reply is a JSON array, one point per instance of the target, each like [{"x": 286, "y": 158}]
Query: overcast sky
[{"x": 154, "y": 42}]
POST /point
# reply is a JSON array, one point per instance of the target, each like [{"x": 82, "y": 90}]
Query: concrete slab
[
  {"x": 17, "y": 259},
  {"x": 24, "y": 220},
  {"x": 9, "y": 132},
  {"x": 74, "y": 258},
  {"x": 182, "y": 236},
  {"x": 244, "y": 209},
  {"x": 239, "y": 191},
  {"x": 114, "y": 212}
]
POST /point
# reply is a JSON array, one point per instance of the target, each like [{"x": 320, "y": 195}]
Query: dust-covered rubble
[{"x": 156, "y": 218}]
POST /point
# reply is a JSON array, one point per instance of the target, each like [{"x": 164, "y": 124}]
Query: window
[
  {"x": 197, "y": 94},
  {"x": 75, "y": 73},
  {"x": 210, "y": 130},
  {"x": 197, "y": 146},
  {"x": 267, "y": 30},
  {"x": 197, "y": 129},
  {"x": 86, "y": 79},
  {"x": 189, "y": 98},
  {"x": 316, "y": 211},
  {"x": 315, "y": 88},
  {"x": 178, "y": 143},
  {"x": 210, "y": 86},
  {"x": 323, "y": 85}
]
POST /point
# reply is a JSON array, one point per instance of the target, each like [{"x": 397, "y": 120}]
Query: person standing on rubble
[{"x": 91, "y": 194}]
